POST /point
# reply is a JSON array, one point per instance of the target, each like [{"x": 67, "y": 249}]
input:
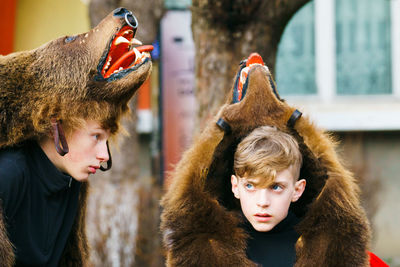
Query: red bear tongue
[
  {"x": 254, "y": 58},
  {"x": 127, "y": 59}
]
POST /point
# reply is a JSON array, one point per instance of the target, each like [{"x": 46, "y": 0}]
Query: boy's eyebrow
[
  {"x": 250, "y": 180},
  {"x": 282, "y": 180},
  {"x": 284, "y": 183},
  {"x": 99, "y": 129},
  {"x": 254, "y": 181},
  {"x": 263, "y": 182}
]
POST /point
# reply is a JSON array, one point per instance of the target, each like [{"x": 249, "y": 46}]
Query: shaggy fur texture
[
  {"x": 6, "y": 248},
  {"x": 200, "y": 218},
  {"x": 60, "y": 80}
]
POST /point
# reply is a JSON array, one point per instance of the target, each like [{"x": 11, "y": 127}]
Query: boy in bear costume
[
  {"x": 266, "y": 181},
  {"x": 59, "y": 105},
  {"x": 201, "y": 221}
]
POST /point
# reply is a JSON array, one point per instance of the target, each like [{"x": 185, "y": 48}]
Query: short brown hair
[
  {"x": 73, "y": 117},
  {"x": 266, "y": 151},
  {"x": 102, "y": 112}
]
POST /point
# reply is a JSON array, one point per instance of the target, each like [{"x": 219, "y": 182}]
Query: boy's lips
[
  {"x": 92, "y": 169},
  {"x": 262, "y": 217}
]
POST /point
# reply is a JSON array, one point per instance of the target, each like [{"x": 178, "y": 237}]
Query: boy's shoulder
[
  {"x": 12, "y": 159},
  {"x": 13, "y": 169}
]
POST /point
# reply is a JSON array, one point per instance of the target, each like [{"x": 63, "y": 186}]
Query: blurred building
[{"x": 339, "y": 61}]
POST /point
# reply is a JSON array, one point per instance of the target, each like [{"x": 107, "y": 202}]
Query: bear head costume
[{"x": 90, "y": 75}]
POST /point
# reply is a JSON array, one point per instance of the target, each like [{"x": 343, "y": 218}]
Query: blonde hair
[{"x": 265, "y": 152}]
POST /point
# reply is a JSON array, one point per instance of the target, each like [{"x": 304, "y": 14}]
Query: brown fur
[
  {"x": 200, "y": 222},
  {"x": 59, "y": 80},
  {"x": 6, "y": 248}
]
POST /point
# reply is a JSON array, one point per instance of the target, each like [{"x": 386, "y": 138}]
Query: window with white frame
[{"x": 339, "y": 61}]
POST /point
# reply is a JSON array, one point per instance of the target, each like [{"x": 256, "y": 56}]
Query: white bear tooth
[
  {"x": 243, "y": 75},
  {"x": 121, "y": 40},
  {"x": 135, "y": 41},
  {"x": 137, "y": 53}
]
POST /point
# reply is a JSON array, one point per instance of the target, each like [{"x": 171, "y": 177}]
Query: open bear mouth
[
  {"x": 124, "y": 54},
  {"x": 240, "y": 88}
]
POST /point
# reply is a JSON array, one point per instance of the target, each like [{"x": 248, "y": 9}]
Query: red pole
[
  {"x": 143, "y": 109},
  {"x": 7, "y": 25},
  {"x": 144, "y": 96}
]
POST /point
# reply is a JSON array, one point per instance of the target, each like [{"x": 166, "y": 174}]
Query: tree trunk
[
  {"x": 122, "y": 200},
  {"x": 226, "y": 32}
]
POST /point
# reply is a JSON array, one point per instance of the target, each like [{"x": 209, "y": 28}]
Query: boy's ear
[
  {"x": 235, "y": 189},
  {"x": 299, "y": 187}
]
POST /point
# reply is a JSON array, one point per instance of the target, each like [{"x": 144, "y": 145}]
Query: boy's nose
[
  {"x": 263, "y": 198},
  {"x": 102, "y": 153}
]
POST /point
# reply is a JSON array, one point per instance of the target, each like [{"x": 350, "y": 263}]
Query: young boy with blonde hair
[
  {"x": 271, "y": 218},
  {"x": 267, "y": 165}
]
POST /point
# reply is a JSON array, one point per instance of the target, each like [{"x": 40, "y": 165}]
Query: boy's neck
[{"x": 47, "y": 145}]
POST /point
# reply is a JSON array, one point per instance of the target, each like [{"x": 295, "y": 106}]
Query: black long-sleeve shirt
[
  {"x": 39, "y": 204},
  {"x": 275, "y": 248}
]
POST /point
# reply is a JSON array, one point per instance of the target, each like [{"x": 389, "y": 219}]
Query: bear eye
[{"x": 69, "y": 39}]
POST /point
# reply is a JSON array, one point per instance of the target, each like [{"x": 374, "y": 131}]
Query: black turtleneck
[
  {"x": 275, "y": 248},
  {"x": 39, "y": 204}
]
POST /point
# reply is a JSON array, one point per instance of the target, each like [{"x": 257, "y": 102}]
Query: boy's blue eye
[
  {"x": 276, "y": 187},
  {"x": 249, "y": 186}
]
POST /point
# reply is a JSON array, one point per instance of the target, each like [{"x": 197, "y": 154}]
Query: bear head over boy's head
[
  {"x": 267, "y": 165},
  {"x": 89, "y": 76}
]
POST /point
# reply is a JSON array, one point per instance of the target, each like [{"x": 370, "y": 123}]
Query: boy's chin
[
  {"x": 262, "y": 227},
  {"x": 81, "y": 177}
]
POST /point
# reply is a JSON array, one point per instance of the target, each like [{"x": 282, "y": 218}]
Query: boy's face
[
  {"x": 87, "y": 149},
  {"x": 264, "y": 208}
]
